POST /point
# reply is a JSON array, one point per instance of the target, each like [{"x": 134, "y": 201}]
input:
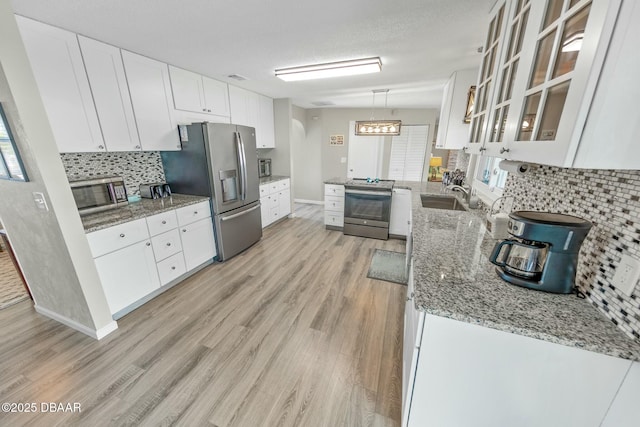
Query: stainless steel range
[{"x": 367, "y": 207}]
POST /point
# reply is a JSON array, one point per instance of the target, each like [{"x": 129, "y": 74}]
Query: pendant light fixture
[{"x": 373, "y": 127}]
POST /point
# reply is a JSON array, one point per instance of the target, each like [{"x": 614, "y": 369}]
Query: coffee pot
[{"x": 542, "y": 252}]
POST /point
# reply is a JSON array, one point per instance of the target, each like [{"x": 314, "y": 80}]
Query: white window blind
[{"x": 408, "y": 150}]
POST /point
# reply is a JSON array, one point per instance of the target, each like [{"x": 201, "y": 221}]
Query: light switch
[
  {"x": 41, "y": 202},
  {"x": 627, "y": 275}
]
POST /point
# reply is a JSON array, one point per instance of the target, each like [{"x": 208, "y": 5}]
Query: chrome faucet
[{"x": 454, "y": 187}]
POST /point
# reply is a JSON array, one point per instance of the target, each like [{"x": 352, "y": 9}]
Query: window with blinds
[{"x": 408, "y": 151}]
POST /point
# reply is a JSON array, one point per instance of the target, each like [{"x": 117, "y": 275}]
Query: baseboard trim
[
  {"x": 93, "y": 333},
  {"x": 309, "y": 202}
]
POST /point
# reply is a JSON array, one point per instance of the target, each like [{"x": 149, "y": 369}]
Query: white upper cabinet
[
  {"x": 453, "y": 131},
  {"x": 152, "y": 100},
  {"x": 216, "y": 96},
  {"x": 197, "y": 93},
  {"x": 57, "y": 65},
  {"x": 108, "y": 82},
  {"x": 244, "y": 106},
  {"x": 265, "y": 131},
  {"x": 487, "y": 76},
  {"x": 548, "y": 71},
  {"x": 251, "y": 109}
]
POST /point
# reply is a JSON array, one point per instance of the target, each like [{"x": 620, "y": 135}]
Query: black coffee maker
[{"x": 544, "y": 251}]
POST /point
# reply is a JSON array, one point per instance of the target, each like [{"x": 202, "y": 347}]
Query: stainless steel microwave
[
  {"x": 264, "y": 167},
  {"x": 98, "y": 194}
]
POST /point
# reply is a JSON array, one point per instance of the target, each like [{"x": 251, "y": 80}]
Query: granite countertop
[
  {"x": 272, "y": 178},
  {"x": 136, "y": 210},
  {"x": 454, "y": 279},
  {"x": 335, "y": 181}
]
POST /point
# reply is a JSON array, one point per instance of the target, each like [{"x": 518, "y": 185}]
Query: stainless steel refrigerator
[{"x": 220, "y": 161}]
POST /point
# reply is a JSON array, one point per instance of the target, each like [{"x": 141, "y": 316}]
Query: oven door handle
[{"x": 369, "y": 192}]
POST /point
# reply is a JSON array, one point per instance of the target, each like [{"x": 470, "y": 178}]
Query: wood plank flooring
[{"x": 289, "y": 333}]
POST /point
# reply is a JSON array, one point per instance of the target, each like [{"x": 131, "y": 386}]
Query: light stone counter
[
  {"x": 454, "y": 279},
  {"x": 136, "y": 210}
]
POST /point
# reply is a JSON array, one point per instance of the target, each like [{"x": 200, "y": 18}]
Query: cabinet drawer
[
  {"x": 166, "y": 244},
  {"x": 264, "y": 190},
  {"x": 283, "y": 184},
  {"x": 188, "y": 214},
  {"x": 171, "y": 268},
  {"x": 117, "y": 237},
  {"x": 274, "y": 187},
  {"x": 337, "y": 220},
  {"x": 333, "y": 190},
  {"x": 334, "y": 203},
  {"x": 271, "y": 201},
  {"x": 162, "y": 222},
  {"x": 274, "y": 213}
]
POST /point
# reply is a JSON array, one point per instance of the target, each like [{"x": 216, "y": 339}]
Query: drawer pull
[
  {"x": 148, "y": 244},
  {"x": 164, "y": 222},
  {"x": 195, "y": 212},
  {"x": 184, "y": 230},
  {"x": 121, "y": 234},
  {"x": 168, "y": 243},
  {"x": 173, "y": 268}
]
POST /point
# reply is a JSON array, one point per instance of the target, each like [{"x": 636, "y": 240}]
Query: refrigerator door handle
[
  {"x": 241, "y": 164},
  {"x": 243, "y": 167},
  {"x": 227, "y": 218}
]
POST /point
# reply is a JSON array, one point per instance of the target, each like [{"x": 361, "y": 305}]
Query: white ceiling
[{"x": 420, "y": 42}]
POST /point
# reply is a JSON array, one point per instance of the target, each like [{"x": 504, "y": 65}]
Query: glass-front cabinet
[
  {"x": 487, "y": 76},
  {"x": 545, "y": 79}
]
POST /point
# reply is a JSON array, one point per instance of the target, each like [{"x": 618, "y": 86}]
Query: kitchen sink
[{"x": 434, "y": 201}]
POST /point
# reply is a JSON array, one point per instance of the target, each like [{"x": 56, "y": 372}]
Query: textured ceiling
[{"x": 420, "y": 42}]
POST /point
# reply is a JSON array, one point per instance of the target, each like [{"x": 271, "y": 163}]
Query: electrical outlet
[
  {"x": 41, "y": 202},
  {"x": 627, "y": 275}
]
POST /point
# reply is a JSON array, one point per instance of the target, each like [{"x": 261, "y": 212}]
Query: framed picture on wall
[
  {"x": 471, "y": 98},
  {"x": 11, "y": 166}
]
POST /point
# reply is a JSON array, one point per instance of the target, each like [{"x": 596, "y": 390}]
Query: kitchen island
[{"x": 505, "y": 353}]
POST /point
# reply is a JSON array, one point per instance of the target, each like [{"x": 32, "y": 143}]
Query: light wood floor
[{"x": 290, "y": 333}]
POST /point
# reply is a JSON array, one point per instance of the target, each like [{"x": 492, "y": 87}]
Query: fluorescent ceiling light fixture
[
  {"x": 573, "y": 43},
  {"x": 331, "y": 69}
]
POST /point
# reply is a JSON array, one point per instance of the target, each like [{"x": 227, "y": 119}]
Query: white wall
[{"x": 50, "y": 245}]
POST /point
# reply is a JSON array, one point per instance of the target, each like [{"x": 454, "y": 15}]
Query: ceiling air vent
[
  {"x": 322, "y": 103},
  {"x": 237, "y": 77}
]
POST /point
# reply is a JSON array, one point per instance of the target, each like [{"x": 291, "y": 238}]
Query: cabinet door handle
[
  {"x": 164, "y": 222},
  {"x": 504, "y": 150},
  {"x": 204, "y": 109},
  {"x": 208, "y": 111},
  {"x": 173, "y": 268},
  {"x": 195, "y": 212},
  {"x": 137, "y": 147},
  {"x": 148, "y": 244},
  {"x": 184, "y": 230},
  {"x": 168, "y": 243},
  {"x": 121, "y": 234}
]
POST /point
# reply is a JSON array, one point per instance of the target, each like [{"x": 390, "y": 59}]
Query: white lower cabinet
[
  {"x": 275, "y": 201},
  {"x": 400, "y": 212},
  {"x": 625, "y": 411},
  {"x": 128, "y": 274},
  {"x": 198, "y": 243},
  {"x": 136, "y": 258},
  {"x": 334, "y": 205},
  {"x": 171, "y": 268},
  {"x": 472, "y": 375}
]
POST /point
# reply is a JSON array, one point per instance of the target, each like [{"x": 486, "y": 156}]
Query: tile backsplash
[
  {"x": 610, "y": 199},
  {"x": 136, "y": 167}
]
